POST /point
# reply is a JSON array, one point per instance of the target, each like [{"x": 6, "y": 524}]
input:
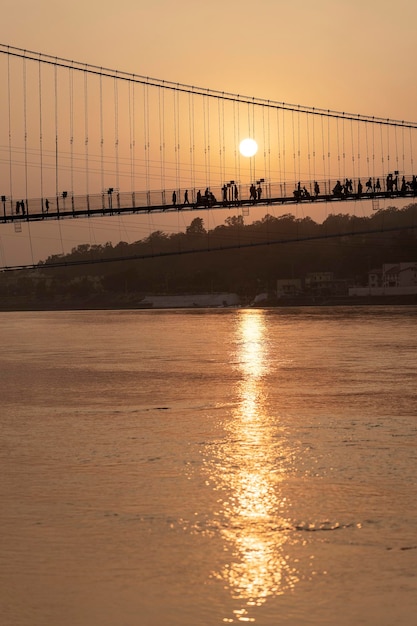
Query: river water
[{"x": 205, "y": 467}]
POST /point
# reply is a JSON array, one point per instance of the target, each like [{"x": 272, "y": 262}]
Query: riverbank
[{"x": 134, "y": 301}]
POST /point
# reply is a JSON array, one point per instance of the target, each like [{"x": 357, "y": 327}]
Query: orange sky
[{"x": 355, "y": 56}]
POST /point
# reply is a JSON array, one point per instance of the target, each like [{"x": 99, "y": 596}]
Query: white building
[
  {"x": 393, "y": 279},
  {"x": 399, "y": 275}
]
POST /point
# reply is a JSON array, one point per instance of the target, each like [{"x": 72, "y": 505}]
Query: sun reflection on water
[{"x": 251, "y": 472}]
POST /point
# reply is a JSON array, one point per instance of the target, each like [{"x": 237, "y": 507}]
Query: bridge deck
[{"x": 55, "y": 212}]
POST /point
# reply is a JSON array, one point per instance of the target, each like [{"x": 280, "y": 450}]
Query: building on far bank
[
  {"x": 393, "y": 279},
  {"x": 325, "y": 284},
  {"x": 289, "y": 287}
]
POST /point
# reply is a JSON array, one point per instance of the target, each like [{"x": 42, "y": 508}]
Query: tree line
[{"x": 234, "y": 257}]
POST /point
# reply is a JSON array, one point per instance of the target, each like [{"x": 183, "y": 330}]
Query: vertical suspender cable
[
  {"x": 403, "y": 150},
  {"x": 86, "y": 135},
  {"x": 208, "y": 144},
  {"x": 373, "y": 151},
  {"x": 282, "y": 193},
  {"x": 192, "y": 140},
  {"x": 329, "y": 170},
  {"x": 344, "y": 149},
  {"x": 219, "y": 124},
  {"x": 397, "y": 165},
  {"x": 338, "y": 147},
  {"x": 25, "y": 129},
  {"x": 10, "y": 132},
  {"x": 382, "y": 151},
  {"x": 367, "y": 149},
  {"x": 57, "y": 152},
  {"x": 293, "y": 150},
  {"x": 101, "y": 140},
  {"x": 56, "y": 133},
  {"x": 26, "y": 156},
  {"x": 264, "y": 141},
  {"x": 239, "y": 162},
  {"x": 284, "y": 149},
  {"x": 116, "y": 128},
  {"x": 40, "y": 132},
  {"x": 269, "y": 150},
  {"x": 223, "y": 140},
  {"x": 71, "y": 99},
  {"x": 352, "y": 150},
  {"x": 253, "y": 135},
  {"x": 177, "y": 181},
  {"x": 133, "y": 137},
  {"x": 179, "y": 138},
  {"x": 308, "y": 149},
  {"x": 131, "y": 86},
  {"x": 147, "y": 137},
  {"x": 205, "y": 142},
  {"x": 359, "y": 149},
  {"x": 323, "y": 151},
  {"x": 161, "y": 111},
  {"x": 313, "y": 119},
  {"x": 237, "y": 149},
  {"x": 235, "y": 137},
  {"x": 299, "y": 143}
]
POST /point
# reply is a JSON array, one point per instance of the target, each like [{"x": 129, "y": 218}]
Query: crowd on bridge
[
  {"x": 372, "y": 185},
  {"x": 230, "y": 191},
  {"x": 231, "y": 195}
]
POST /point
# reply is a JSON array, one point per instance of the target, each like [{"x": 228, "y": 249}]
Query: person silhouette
[{"x": 224, "y": 193}]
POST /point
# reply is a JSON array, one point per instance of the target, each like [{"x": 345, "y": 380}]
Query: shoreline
[{"x": 21, "y": 304}]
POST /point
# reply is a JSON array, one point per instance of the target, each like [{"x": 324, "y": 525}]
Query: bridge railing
[{"x": 113, "y": 201}]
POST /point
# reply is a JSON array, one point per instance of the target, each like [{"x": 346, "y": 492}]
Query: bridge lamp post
[
  {"x": 3, "y": 199},
  {"x": 259, "y": 182},
  {"x": 64, "y": 195},
  {"x": 110, "y": 195}
]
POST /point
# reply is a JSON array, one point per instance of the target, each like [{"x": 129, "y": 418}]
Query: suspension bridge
[{"x": 80, "y": 141}]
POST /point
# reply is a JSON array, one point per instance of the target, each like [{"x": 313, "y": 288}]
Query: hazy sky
[{"x": 355, "y": 56}]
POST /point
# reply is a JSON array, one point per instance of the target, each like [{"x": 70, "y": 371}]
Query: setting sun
[{"x": 248, "y": 147}]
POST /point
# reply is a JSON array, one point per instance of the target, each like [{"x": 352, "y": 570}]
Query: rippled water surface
[{"x": 197, "y": 468}]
